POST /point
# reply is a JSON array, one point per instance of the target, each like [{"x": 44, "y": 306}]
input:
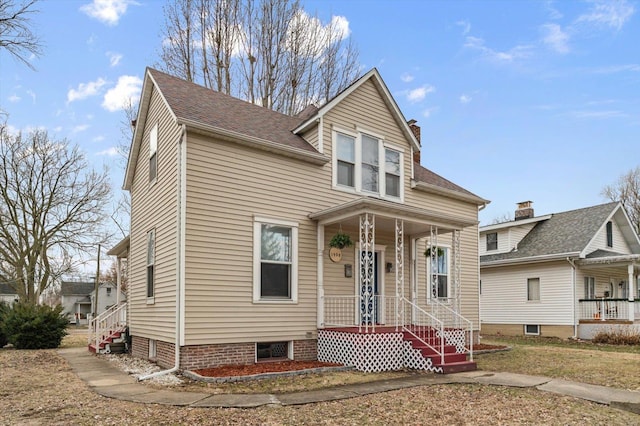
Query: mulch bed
[
  {"x": 483, "y": 347},
  {"x": 261, "y": 367}
]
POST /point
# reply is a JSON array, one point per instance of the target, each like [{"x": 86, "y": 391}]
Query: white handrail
[
  {"x": 454, "y": 320},
  {"x": 423, "y": 326},
  {"x": 112, "y": 320}
]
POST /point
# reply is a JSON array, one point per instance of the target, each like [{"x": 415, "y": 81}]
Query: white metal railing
[
  {"x": 344, "y": 311},
  {"x": 604, "y": 309},
  {"x": 452, "y": 320},
  {"x": 112, "y": 320},
  {"x": 428, "y": 329}
]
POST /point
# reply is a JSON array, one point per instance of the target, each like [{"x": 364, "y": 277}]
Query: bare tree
[
  {"x": 16, "y": 35},
  {"x": 52, "y": 210},
  {"x": 269, "y": 52},
  {"x": 627, "y": 191},
  {"x": 505, "y": 217}
]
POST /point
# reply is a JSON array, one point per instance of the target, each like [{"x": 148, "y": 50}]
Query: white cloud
[
  {"x": 517, "y": 52},
  {"x": 310, "y": 36},
  {"x": 109, "y": 152},
  {"x": 114, "y": 58},
  {"x": 554, "y": 13},
  {"x": 555, "y": 38},
  {"x": 418, "y": 94},
  {"x": 107, "y": 11},
  {"x": 608, "y": 13},
  {"x": 85, "y": 90},
  {"x": 466, "y": 26},
  {"x": 99, "y": 138},
  {"x": 127, "y": 89},
  {"x": 465, "y": 99},
  {"x": 80, "y": 128},
  {"x": 618, "y": 68},
  {"x": 406, "y": 77},
  {"x": 14, "y": 98},
  {"x": 32, "y": 94},
  {"x": 427, "y": 112},
  {"x": 598, "y": 114}
]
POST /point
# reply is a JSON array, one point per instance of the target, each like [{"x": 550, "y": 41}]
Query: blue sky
[{"x": 523, "y": 100}]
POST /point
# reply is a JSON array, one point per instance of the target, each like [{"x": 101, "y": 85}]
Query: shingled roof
[
  {"x": 69, "y": 288},
  {"x": 422, "y": 174},
  {"x": 562, "y": 233},
  {"x": 7, "y": 289},
  {"x": 195, "y": 103}
]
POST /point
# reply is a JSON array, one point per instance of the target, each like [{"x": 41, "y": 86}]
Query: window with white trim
[
  {"x": 153, "y": 154},
  {"x": 366, "y": 163},
  {"x": 151, "y": 260},
  {"x": 533, "y": 289},
  {"x": 275, "y": 275},
  {"x": 440, "y": 268},
  {"x": 609, "y": 234},
  {"x": 589, "y": 287},
  {"x": 532, "y": 329},
  {"x": 492, "y": 241}
]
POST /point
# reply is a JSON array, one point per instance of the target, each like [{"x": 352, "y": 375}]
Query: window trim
[
  {"x": 288, "y": 356},
  {"x": 151, "y": 263},
  {"x": 529, "y": 280},
  {"x": 258, "y": 221},
  {"x": 532, "y": 325},
  {"x": 487, "y": 241},
  {"x": 383, "y": 145},
  {"x": 589, "y": 287}
]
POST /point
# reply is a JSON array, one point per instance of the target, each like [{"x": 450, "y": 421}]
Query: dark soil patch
[
  {"x": 261, "y": 367},
  {"x": 483, "y": 347}
]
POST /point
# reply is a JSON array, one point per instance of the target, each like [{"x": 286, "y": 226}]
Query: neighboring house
[
  {"x": 8, "y": 294},
  {"x": 567, "y": 274},
  {"x": 78, "y": 298},
  {"x": 232, "y": 210}
]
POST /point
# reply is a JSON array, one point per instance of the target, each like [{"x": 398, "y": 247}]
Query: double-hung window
[
  {"x": 533, "y": 289},
  {"x": 492, "y": 241},
  {"x": 153, "y": 154},
  {"x": 438, "y": 274},
  {"x": 275, "y": 260},
  {"x": 367, "y": 164},
  {"x": 151, "y": 261}
]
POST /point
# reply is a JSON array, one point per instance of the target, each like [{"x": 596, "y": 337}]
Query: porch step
[
  {"x": 108, "y": 339},
  {"x": 458, "y": 367},
  {"x": 453, "y": 362}
]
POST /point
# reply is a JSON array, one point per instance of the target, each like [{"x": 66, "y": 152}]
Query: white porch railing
[
  {"x": 605, "y": 309},
  {"x": 344, "y": 311},
  {"x": 453, "y": 322},
  {"x": 423, "y": 326},
  {"x": 112, "y": 320}
]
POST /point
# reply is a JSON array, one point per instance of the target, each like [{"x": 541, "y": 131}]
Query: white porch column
[
  {"x": 118, "y": 279},
  {"x": 399, "y": 268},
  {"x": 630, "y": 281},
  {"x": 366, "y": 264},
  {"x": 320, "y": 278}
]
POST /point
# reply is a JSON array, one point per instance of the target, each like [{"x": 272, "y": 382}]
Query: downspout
[
  {"x": 179, "y": 258},
  {"x": 573, "y": 304}
]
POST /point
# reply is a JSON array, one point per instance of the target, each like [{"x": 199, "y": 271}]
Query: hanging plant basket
[
  {"x": 340, "y": 240},
  {"x": 427, "y": 252}
]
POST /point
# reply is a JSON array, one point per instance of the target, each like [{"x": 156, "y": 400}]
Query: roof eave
[
  {"x": 434, "y": 189},
  {"x": 529, "y": 259},
  {"x": 513, "y": 223},
  {"x": 252, "y": 141}
]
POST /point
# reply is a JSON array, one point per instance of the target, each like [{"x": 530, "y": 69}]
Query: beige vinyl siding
[
  {"x": 620, "y": 245},
  {"x": 154, "y": 207},
  {"x": 504, "y": 294},
  {"x": 311, "y": 136},
  {"x": 508, "y": 238}
]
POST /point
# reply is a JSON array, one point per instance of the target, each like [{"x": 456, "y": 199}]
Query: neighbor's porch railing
[
  {"x": 605, "y": 309},
  {"x": 112, "y": 320}
]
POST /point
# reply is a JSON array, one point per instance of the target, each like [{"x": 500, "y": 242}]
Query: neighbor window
[
  {"x": 492, "y": 241},
  {"x": 275, "y": 260},
  {"x": 533, "y": 289},
  {"x": 151, "y": 260},
  {"x": 438, "y": 269},
  {"x": 108, "y": 291},
  {"x": 609, "y": 234},
  {"x": 589, "y": 287},
  {"x": 153, "y": 153},
  {"x": 365, "y": 163},
  {"x": 532, "y": 329}
]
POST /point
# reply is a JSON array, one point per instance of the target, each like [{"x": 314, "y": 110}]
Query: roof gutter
[
  {"x": 433, "y": 189},
  {"x": 529, "y": 259},
  {"x": 180, "y": 248}
]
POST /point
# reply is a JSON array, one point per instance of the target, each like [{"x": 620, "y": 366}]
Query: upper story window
[
  {"x": 367, "y": 164},
  {"x": 153, "y": 154},
  {"x": 492, "y": 241},
  {"x": 609, "y": 234}
]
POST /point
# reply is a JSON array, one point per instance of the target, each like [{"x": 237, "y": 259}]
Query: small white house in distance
[
  {"x": 7, "y": 294},
  {"x": 78, "y": 298},
  {"x": 567, "y": 274}
]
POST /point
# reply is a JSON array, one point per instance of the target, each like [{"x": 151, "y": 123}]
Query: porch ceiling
[
  {"x": 615, "y": 261},
  {"x": 416, "y": 220}
]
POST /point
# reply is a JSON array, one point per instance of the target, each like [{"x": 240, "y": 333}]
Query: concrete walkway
[{"x": 107, "y": 380}]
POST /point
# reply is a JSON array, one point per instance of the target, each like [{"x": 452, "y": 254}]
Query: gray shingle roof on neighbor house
[
  {"x": 7, "y": 289},
  {"x": 69, "y": 288},
  {"x": 198, "y": 104},
  {"x": 566, "y": 232}
]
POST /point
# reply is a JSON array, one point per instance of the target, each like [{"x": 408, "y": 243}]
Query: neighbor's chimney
[
  {"x": 415, "y": 129},
  {"x": 524, "y": 210}
]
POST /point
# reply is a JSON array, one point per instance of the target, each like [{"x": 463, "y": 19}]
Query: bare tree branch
[
  {"x": 16, "y": 35},
  {"x": 627, "y": 191}
]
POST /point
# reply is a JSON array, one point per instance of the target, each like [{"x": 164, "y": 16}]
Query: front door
[{"x": 370, "y": 303}]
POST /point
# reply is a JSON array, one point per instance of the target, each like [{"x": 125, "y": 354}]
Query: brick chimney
[
  {"x": 524, "y": 210},
  {"x": 415, "y": 129}
]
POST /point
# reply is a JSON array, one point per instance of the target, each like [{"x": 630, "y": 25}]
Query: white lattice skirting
[{"x": 372, "y": 352}]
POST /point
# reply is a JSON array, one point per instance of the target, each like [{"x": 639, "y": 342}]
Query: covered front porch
[{"x": 393, "y": 298}]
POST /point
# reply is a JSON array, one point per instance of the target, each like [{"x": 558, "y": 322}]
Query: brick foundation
[{"x": 209, "y": 356}]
